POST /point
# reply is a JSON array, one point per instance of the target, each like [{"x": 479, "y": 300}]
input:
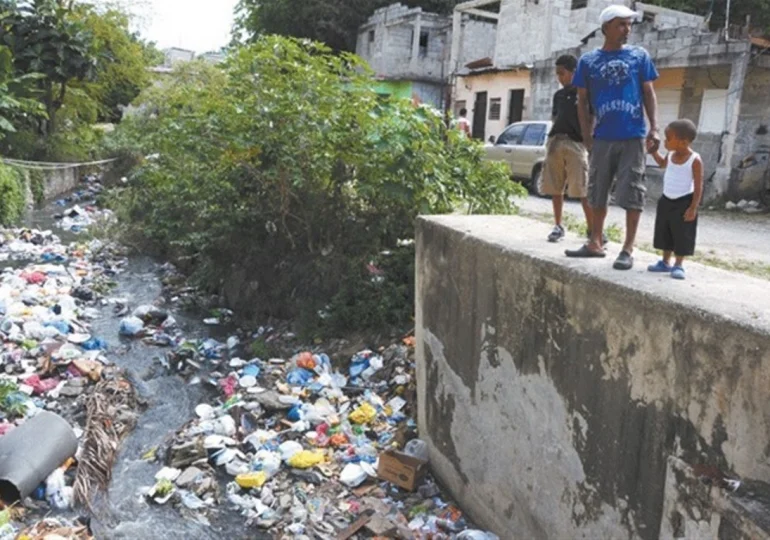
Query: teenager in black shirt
[{"x": 566, "y": 162}]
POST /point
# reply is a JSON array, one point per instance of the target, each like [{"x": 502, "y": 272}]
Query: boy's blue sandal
[
  {"x": 677, "y": 272},
  {"x": 660, "y": 267}
]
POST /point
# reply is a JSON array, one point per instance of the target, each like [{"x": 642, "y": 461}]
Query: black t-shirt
[{"x": 565, "y": 114}]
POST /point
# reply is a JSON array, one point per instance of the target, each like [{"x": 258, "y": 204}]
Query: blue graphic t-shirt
[{"x": 614, "y": 82}]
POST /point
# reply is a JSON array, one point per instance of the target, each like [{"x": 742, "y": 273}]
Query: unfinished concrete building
[{"x": 408, "y": 49}]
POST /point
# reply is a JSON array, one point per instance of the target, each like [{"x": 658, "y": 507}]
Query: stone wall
[{"x": 563, "y": 399}]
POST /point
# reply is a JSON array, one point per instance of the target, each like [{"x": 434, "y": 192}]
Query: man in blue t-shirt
[{"x": 614, "y": 91}]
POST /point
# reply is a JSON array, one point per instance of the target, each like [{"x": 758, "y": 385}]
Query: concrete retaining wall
[
  {"x": 563, "y": 399},
  {"x": 55, "y": 182}
]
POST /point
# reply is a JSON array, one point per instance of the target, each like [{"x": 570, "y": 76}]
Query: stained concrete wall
[
  {"x": 555, "y": 394},
  {"x": 55, "y": 182}
]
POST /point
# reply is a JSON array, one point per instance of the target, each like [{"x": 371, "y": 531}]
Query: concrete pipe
[{"x": 31, "y": 452}]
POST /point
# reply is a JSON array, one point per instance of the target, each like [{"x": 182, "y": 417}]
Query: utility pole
[{"x": 727, "y": 20}]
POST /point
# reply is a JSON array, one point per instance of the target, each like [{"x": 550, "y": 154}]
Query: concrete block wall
[
  {"x": 392, "y": 53},
  {"x": 755, "y": 111},
  {"x": 529, "y": 31},
  {"x": 563, "y": 399},
  {"x": 670, "y": 18},
  {"x": 478, "y": 41}
]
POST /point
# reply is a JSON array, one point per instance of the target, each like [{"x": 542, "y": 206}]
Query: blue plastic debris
[
  {"x": 299, "y": 377},
  {"x": 252, "y": 370},
  {"x": 295, "y": 414},
  {"x": 62, "y": 326},
  {"x": 94, "y": 344}
]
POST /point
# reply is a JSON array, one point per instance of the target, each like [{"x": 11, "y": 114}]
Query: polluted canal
[{"x": 128, "y": 413}]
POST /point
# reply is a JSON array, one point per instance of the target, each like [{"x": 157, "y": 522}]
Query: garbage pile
[
  {"x": 51, "y": 370},
  {"x": 30, "y": 244},
  {"x": 306, "y": 450},
  {"x": 78, "y": 218}
]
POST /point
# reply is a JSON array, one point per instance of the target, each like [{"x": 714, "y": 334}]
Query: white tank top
[{"x": 679, "y": 180}]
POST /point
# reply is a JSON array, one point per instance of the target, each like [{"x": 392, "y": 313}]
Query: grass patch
[
  {"x": 578, "y": 225},
  {"x": 742, "y": 266}
]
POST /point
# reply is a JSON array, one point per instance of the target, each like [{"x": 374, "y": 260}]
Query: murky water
[{"x": 124, "y": 512}]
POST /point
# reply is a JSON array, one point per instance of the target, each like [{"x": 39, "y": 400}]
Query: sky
[{"x": 198, "y": 25}]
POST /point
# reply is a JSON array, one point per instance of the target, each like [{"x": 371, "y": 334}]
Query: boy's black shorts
[{"x": 672, "y": 232}]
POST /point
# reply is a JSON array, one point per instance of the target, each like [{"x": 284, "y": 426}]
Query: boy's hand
[
  {"x": 691, "y": 214},
  {"x": 653, "y": 140}
]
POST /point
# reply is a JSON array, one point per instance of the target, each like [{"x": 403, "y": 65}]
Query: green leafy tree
[
  {"x": 334, "y": 22},
  {"x": 283, "y": 167},
  {"x": 120, "y": 73},
  {"x": 44, "y": 39},
  {"x": 14, "y": 90}
]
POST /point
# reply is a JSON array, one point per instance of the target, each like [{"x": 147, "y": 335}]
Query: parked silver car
[{"x": 522, "y": 147}]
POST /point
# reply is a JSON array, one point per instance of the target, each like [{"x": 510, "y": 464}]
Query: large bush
[
  {"x": 12, "y": 196},
  {"x": 286, "y": 182}
]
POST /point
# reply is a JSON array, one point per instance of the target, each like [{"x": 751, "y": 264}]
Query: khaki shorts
[{"x": 566, "y": 166}]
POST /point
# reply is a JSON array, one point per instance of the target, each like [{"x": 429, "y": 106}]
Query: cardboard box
[{"x": 401, "y": 469}]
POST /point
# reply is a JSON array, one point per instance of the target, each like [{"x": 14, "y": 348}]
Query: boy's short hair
[
  {"x": 684, "y": 129},
  {"x": 463, "y": 112},
  {"x": 568, "y": 62}
]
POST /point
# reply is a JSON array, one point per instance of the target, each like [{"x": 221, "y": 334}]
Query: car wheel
[{"x": 536, "y": 184}]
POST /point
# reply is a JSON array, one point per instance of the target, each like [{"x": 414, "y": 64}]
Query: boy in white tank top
[{"x": 676, "y": 220}]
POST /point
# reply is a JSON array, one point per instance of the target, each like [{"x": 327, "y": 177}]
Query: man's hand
[
  {"x": 691, "y": 214},
  {"x": 653, "y": 141}
]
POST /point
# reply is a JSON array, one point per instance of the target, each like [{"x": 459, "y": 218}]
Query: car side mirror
[{"x": 492, "y": 139}]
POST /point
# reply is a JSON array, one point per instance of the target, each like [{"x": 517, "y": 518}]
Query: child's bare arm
[
  {"x": 660, "y": 160},
  {"x": 697, "y": 175}
]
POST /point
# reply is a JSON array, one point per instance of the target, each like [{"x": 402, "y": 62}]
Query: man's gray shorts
[{"x": 621, "y": 160}]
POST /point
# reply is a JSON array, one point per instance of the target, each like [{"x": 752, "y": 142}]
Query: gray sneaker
[{"x": 557, "y": 234}]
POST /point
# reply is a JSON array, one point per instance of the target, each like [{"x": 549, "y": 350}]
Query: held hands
[
  {"x": 691, "y": 214},
  {"x": 653, "y": 141}
]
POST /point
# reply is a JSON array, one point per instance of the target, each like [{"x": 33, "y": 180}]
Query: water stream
[{"x": 125, "y": 513}]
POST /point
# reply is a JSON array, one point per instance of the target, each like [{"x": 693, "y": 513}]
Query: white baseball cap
[{"x": 618, "y": 12}]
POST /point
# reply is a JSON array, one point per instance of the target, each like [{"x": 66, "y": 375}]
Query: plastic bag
[
  {"x": 473, "y": 534},
  {"x": 363, "y": 414},
  {"x": 94, "y": 344},
  {"x": 57, "y": 493},
  {"x": 251, "y": 480},
  {"x": 289, "y": 449},
  {"x": 353, "y": 475},
  {"x": 299, "y": 377},
  {"x": 131, "y": 326},
  {"x": 306, "y": 459}
]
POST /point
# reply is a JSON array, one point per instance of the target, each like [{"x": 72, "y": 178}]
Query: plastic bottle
[{"x": 417, "y": 448}]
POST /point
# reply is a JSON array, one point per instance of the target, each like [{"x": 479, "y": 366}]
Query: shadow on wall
[{"x": 751, "y": 179}]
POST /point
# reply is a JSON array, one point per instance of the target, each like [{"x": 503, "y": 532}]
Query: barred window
[{"x": 495, "y": 106}]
